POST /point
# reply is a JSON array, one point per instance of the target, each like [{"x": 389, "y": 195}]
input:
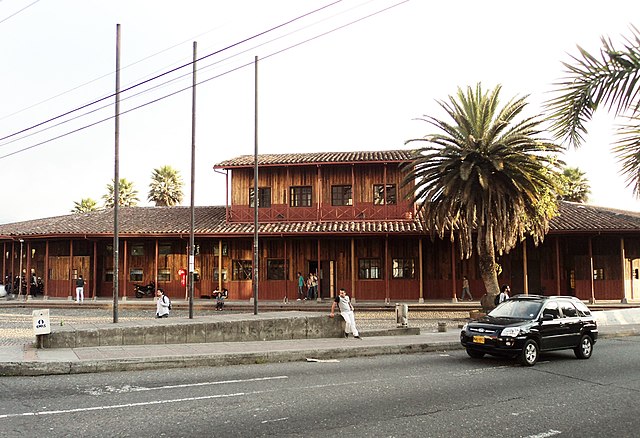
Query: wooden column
[
  {"x": 287, "y": 195},
  {"x": 454, "y": 297},
  {"x": 125, "y": 273},
  {"x": 71, "y": 288},
  {"x": 384, "y": 191},
  {"x": 558, "y": 273},
  {"x": 27, "y": 277},
  {"x": 4, "y": 262},
  {"x": 624, "y": 280},
  {"x": 286, "y": 272},
  {"x": 353, "y": 192},
  {"x": 220, "y": 265},
  {"x": 387, "y": 298},
  {"x": 318, "y": 194},
  {"x": 592, "y": 300},
  {"x": 94, "y": 282},
  {"x": 353, "y": 269},
  {"x": 45, "y": 277},
  {"x": 13, "y": 263},
  {"x": 155, "y": 264},
  {"x": 318, "y": 272},
  {"x": 524, "y": 267},
  {"x": 421, "y": 299}
]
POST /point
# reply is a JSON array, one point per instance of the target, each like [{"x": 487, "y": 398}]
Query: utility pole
[
  {"x": 192, "y": 252},
  {"x": 116, "y": 183},
  {"x": 255, "y": 193}
]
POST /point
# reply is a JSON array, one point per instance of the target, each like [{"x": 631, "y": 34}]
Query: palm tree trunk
[{"x": 486, "y": 265}]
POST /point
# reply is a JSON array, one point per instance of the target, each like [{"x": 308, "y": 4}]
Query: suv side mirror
[{"x": 547, "y": 317}]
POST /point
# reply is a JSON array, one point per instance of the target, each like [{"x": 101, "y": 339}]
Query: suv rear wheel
[
  {"x": 584, "y": 348},
  {"x": 530, "y": 353}
]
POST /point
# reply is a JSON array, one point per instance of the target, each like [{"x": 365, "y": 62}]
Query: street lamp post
[{"x": 20, "y": 273}]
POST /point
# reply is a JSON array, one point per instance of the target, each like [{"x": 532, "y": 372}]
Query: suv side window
[
  {"x": 583, "y": 310},
  {"x": 568, "y": 309},
  {"x": 551, "y": 309}
]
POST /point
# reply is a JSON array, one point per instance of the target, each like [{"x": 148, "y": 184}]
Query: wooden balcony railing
[{"x": 359, "y": 211}]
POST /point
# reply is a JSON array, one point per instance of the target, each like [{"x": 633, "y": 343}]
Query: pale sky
[{"x": 360, "y": 87}]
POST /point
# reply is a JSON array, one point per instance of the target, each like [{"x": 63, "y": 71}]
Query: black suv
[{"x": 525, "y": 325}]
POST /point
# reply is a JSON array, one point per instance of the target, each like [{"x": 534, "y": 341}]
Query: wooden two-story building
[{"x": 345, "y": 215}]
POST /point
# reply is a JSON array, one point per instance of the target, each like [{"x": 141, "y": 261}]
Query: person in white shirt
[
  {"x": 346, "y": 310},
  {"x": 162, "y": 304},
  {"x": 504, "y": 293}
]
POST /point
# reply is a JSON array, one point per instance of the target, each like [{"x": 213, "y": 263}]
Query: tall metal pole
[
  {"x": 255, "y": 193},
  {"x": 192, "y": 252},
  {"x": 116, "y": 183}
]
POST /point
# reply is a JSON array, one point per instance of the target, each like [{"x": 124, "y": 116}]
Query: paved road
[{"x": 432, "y": 395}]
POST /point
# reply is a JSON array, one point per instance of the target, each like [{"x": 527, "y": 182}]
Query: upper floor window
[
  {"x": 264, "y": 197},
  {"x": 300, "y": 196},
  {"x": 137, "y": 249},
  {"x": 341, "y": 195},
  {"x": 403, "y": 268},
  {"x": 378, "y": 194}
]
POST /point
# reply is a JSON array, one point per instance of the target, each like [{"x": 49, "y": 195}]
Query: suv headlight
[
  {"x": 464, "y": 327},
  {"x": 510, "y": 331}
]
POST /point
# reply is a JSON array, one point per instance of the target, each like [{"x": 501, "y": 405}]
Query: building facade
[{"x": 345, "y": 216}]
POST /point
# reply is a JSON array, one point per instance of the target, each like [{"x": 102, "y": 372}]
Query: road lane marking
[
  {"x": 546, "y": 434},
  {"x": 125, "y": 389},
  {"x": 274, "y": 420}
]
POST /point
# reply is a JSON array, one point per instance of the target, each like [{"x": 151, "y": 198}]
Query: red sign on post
[{"x": 183, "y": 276}]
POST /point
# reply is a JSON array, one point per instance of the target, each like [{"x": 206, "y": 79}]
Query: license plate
[{"x": 478, "y": 339}]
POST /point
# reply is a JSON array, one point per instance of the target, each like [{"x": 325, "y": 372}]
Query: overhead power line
[
  {"x": 199, "y": 83},
  {"x": 172, "y": 70},
  {"x": 16, "y": 13}
]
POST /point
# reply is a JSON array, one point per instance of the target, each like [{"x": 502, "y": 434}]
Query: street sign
[{"x": 41, "y": 322}]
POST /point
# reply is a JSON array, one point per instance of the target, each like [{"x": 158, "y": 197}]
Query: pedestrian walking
[
  {"x": 163, "y": 304},
  {"x": 220, "y": 297},
  {"x": 346, "y": 310},
  {"x": 301, "y": 283},
  {"x": 465, "y": 289},
  {"x": 80, "y": 289},
  {"x": 503, "y": 295}
]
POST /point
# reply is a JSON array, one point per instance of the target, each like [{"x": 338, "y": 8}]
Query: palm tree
[
  {"x": 575, "y": 186},
  {"x": 166, "y": 187},
  {"x": 85, "y": 205},
  {"x": 613, "y": 80},
  {"x": 127, "y": 195},
  {"x": 486, "y": 175}
]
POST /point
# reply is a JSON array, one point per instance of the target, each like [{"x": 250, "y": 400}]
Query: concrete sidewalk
[{"x": 26, "y": 360}]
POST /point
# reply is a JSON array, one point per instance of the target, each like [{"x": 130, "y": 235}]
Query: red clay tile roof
[
  {"x": 393, "y": 156},
  {"x": 175, "y": 221}
]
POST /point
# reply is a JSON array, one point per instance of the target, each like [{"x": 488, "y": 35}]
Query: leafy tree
[
  {"x": 484, "y": 175},
  {"x": 611, "y": 79},
  {"x": 575, "y": 186},
  {"x": 166, "y": 187},
  {"x": 85, "y": 205},
  {"x": 127, "y": 195}
]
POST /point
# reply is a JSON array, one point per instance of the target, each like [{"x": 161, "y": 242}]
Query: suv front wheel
[
  {"x": 530, "y": 353},
  {"x": 584, "y": 348}
]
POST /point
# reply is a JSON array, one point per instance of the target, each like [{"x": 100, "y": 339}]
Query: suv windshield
[{"x": 517, "y": 309}]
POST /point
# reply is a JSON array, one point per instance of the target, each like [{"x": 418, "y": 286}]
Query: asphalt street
[{"x": 428, "y": 395}]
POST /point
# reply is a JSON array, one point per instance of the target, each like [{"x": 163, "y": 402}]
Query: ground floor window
[
  {"x": 275, "y": 269},
  {"x": 164, "y": 274},
  {"x": 216, "y": 274},
  {"x": 369, "y": 269},
  {"x": 242, "y": 270},
  {"x": 136, "y": 274},
  {"x": 108, "y": 276},
  {"x": 403, "y": 268}
]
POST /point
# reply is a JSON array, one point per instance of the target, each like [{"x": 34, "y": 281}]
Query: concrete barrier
[
  {"x": 617, "y": 317},
  {"x": 217, "y": 328}
]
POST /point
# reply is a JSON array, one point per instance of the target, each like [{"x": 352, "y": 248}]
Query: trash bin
[{"x": 402, "y": 311}]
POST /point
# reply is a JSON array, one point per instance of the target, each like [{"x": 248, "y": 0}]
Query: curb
[{"x": 39, "y": 368}]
